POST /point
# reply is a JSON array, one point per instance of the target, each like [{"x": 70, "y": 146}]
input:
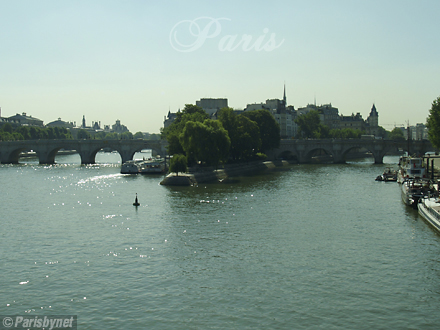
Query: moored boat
[
  {"x": 388, "y": 175},
  {"x": 429, "y": 209},
  {"x": 414, "y": 190},
  {"x": 152, "y": 166},
  {"x": 131, "y": 166},
  {"x": 144, "y": 166},
  {"x": 411, "y": 168}
]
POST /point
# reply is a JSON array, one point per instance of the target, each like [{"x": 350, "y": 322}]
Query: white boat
[
  {"x": 152, "y": 165},
  {"x": 411, "y": 168},
  {"x": 131, "y": 166},
  {"x": 144, "y": 166},
  {"x": 429, "y": 209}
]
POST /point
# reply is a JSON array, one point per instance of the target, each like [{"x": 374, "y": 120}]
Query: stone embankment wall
[{"x": 203, "y": 175}]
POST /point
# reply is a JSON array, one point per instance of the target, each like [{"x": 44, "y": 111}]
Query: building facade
[
  {"x": 61, "y": 123},
  {"x": 25, "y": 120},
  {"x": 211, "y": 106}
]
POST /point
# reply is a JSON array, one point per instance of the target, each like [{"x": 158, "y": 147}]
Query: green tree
[
  {"x": 308, "y": 124},
  {"x": 345, "y": 133},
  {"x": 396, "y": 134},
  {"x": 34, "y": 133},
  {"x": 155, "y": 136},
  {"x": 230, "y": 123},
  {"x": 6, "y": 136},
  {"x": 17, "y": 136},
  {"x": 207, "y": 142},
  {"x": 83, "y": 134},
  {"x": 24, "y": 131},
  {"x": 7, "y": 127},
  {"x": 100, "y": 135},
  {"x": 217, "y": 148},
  {"x": 172, "y": 133},
  {"x": 322, "y": 132},
  {"x": 138, "y": 135},
  {"x": 51, "y": 133},
  {"x": 178, "y": 163},
  {"x": 111, "y": 136},
  {"x": 382, "y": 132},
  {"x": 433, "y": 123},
  {"x": 126, "y": 136},
  {"x": 269, "y": 128},
  {"x": 248, "y": 140}
]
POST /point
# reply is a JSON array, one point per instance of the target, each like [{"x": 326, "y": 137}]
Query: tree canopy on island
[
  {"x": 231, "y": 137},
  {"x": 207, "y": 142},
  {"x": 269, "y": 128},
  {"x": 178, "y": 164},
  {"x": 243, "y": 133}
]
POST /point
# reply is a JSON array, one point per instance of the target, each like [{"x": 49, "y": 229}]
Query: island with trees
[{"x": 198, "y": 141}]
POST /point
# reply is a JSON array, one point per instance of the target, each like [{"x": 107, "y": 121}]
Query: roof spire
[{"x": 284, "y": 96}]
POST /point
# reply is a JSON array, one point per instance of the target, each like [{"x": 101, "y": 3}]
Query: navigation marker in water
[{"x": 136, "y": 203}]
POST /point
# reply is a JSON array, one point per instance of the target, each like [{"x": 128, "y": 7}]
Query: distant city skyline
[{"x": 136, "y": 60}]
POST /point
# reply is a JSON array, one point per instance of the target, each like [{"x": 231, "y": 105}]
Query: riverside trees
[
  {"x": 8, "y": 133},
  {"x": 234, "y": 137},
  {"x": 433, "y": 123},
  {"x": 310, "y": 126}
]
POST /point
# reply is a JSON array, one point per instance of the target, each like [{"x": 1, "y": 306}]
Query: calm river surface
[{"x": 311, "y": 247}]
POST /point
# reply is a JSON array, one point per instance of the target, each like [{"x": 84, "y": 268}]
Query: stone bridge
[
  {"x": 46, "y": 150},
  {"x": 337, "y": 149}
]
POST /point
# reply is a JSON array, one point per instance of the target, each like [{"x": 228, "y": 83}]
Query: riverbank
[
  {"x": 33, "y": 154},
  {"x": 201, "y": 175}
]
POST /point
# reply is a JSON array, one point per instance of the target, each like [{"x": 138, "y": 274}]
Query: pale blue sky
[{"x": 112, "y": 60}]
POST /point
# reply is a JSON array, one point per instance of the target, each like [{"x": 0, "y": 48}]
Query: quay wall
[{"x": 210, "y": 175}]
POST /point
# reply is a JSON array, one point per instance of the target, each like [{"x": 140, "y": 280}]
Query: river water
[{"x": 309, "y": 247}]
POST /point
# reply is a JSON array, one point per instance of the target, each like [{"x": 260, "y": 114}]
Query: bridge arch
[
  {"x": 87, "y": 149},
  {"x": 88, "y": 156},
  {"x": 13, "y": 155},
  {"x": 319, "y": 152},
  {"x": 339, "y": 148},
  {"x": 288, "y": 155}
]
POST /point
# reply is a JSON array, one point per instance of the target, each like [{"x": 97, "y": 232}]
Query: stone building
[
  {"x": 61, "y": 123},
  {"x": 211, "y": 106},
  {"x": 170, "y": 118},
  {"x": 372, "y": 122},
  {"x": 354, "y": 122},
  {"x": 26, "y": 120}
]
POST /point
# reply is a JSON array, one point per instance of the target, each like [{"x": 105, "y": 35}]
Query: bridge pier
[
  {"x": 338, "y": 160},
  {"x": 378, "y": 158},
  {"x": 11, "y": 157},
  {"x": 46, "y": 155},
  {"x": 126, "y": 155},
  {"x": 87, "y": 157},
  {"x": 338, "y": 156}
]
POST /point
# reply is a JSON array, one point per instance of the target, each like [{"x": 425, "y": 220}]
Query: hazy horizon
[{"x": 137, "y": 60}]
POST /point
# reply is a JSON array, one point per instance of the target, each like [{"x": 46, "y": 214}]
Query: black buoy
[{"x": 136, "y": 203}]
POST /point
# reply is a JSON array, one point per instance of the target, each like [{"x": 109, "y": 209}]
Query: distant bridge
[
  {"x": 337, "y": 149},
  {"x": 46, "y": 150},
  {"x": 301, "y": 150}
]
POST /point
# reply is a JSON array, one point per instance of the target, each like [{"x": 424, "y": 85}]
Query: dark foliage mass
[
  {"x": 8, "y": 133},
  {"x": 433, "y": 123},
  {"x": 231, "y": 138}
]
